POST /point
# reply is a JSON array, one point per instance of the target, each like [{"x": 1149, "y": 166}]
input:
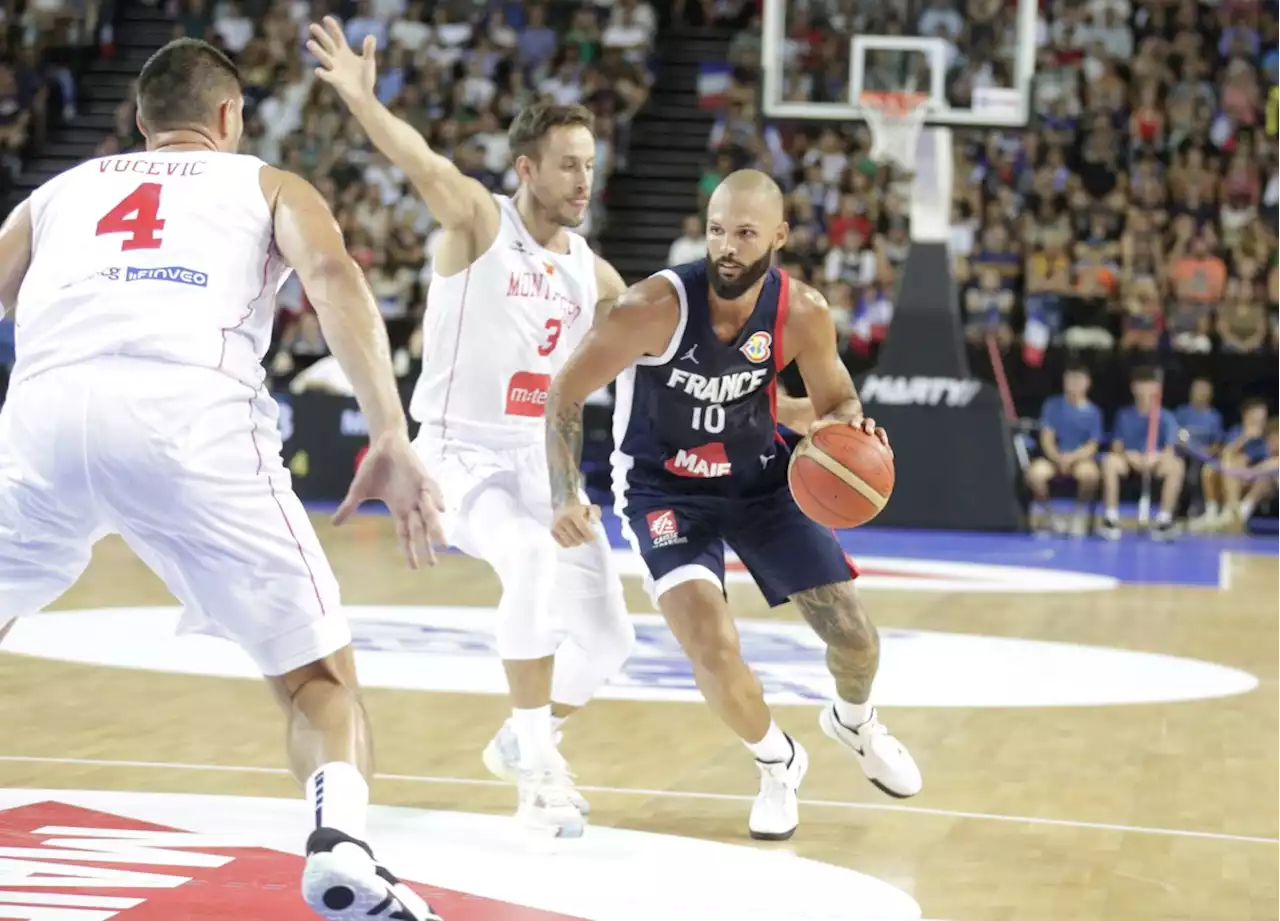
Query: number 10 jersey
[
  {"x": 701, "y": 419},
  {"x": 163, "y": 255}
]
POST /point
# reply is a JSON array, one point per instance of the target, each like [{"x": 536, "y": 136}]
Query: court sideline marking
[{"x": 670, "y": 794}]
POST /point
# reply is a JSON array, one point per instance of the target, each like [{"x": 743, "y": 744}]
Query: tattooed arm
[
  {"x": 641, "y": 321},
  {"x": 817, "y": 355}
]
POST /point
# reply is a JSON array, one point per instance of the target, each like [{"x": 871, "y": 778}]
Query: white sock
[
  {"x": 557, "y": 723},
  {"x": 1246, "y": 510},
  {"x": 534, "y": 735},
  {"x": 852, "y": 715},
  {"x": 1112, "y": 515},
  {"x": 339, "y": 798},
  {"x": 1211, "y": 509},
  {"x": 1163, "y": 517},
  {"x": 775, "y": 746}
]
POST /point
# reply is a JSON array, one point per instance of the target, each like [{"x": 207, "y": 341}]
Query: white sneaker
[
  {"x": 883, "y": 758},
  {"x": 776, "y": 812},
  {"x": 502, "y": 757},
  {"x": 547, "y": 802},
  {"x": 342, "y": 882}
]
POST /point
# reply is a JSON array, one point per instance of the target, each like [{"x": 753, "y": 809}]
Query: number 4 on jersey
[{"x": 137, "y": 215}]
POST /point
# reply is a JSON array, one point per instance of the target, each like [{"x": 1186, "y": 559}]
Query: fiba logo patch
[
  {"x": 663, "y": 530},
  {"x": 759, "y": 347}
]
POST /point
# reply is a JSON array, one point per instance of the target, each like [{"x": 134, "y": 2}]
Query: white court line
[
  {"x": 1224, "y": 571},
  {"x": 670, "y": 794}
]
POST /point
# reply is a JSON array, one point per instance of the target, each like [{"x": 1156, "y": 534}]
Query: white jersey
[
  {"x": 159, "y": 255},
  {"x": 495, "y": 335}
]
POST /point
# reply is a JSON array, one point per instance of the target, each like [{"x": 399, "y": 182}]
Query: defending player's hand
[
  {"x": 864, "y": 423},
  {"x": 575, "y": 524},
  {"x": 393, "y": 472},
  {"x": 352, "y": 75}
]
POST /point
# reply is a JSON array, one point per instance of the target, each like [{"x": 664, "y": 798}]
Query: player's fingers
[
  {"x": 334, "y": 28},
  {"x": 434, "y": 496},
  {"x": 418, "y": 537},
  {"x": 320, "y": 41},
  {"x": 349, "y": 505},
  {"x": 435, "y": 531},
  {"x": 558, "y": 535},
  {"x": 325, "y": 59},
  {"x": 869, "y": 425},
  {"x": 406, "y": 542},
  {"x": 881, "y": 434},
  {"x": 369, "y": 47}
]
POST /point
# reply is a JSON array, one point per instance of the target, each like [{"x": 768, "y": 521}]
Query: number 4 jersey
[
  {"x": 701, "y": 418},
  {"x": 160, "y": 255}
]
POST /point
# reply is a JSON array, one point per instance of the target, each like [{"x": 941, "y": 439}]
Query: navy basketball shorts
[{"x": 681, "y": 539}]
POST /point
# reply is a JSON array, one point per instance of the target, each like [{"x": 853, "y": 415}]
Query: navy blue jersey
[{"x": 702, "y": 417}]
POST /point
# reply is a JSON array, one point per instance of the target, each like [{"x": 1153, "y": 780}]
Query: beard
[
  {"x": 733, "y": 288},
  {"x": 560, "y": 213}
]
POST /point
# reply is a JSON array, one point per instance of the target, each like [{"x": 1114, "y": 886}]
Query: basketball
[{"x": 840, "y": 476}]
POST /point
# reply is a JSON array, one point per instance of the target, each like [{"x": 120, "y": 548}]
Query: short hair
[
  {"x": 1077, "y": 366},
  {"x": 1142, "y": 374},
  {"x": 182, "y": 83},
  {"x": 533, "y": 123},
  {"x": 1253, "y": 403}
]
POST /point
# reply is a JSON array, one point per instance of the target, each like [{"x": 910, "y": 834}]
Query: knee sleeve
[
  {"x": 599, "y": 641},
  {"x": 523, "y": 555}
]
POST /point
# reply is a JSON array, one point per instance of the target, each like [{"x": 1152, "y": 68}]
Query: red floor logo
[{"x": 66, "y": 863}]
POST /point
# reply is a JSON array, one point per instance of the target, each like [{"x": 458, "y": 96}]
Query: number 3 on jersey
[
  {"x": 548, "y": 346},
  {"x": 137, "y": 215}
]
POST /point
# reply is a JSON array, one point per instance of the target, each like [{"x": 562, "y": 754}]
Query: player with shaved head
[{"x": 696, "y": 351}]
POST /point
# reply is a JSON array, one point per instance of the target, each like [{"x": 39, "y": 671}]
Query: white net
[{"x": 895, "y": 120}]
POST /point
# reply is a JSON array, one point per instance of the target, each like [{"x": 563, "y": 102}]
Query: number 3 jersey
[
  {"x": 158, "y": 255},
  {"x": 496, "y": 333},
  {"x": 702, "y": 417}
]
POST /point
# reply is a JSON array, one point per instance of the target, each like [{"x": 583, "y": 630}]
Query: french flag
[
  {"x": 1035, "y": 339},
  {"x": 714, "y": 83}
]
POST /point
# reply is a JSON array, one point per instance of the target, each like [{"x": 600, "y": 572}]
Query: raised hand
[{"x": 352, "y": 75}]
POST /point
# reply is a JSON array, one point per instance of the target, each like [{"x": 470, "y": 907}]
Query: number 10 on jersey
[{"x": 709, "y": 418}]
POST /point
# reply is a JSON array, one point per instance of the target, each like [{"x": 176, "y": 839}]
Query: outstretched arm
[
  {"x": 641, "y": 322},
  {"x": 309, "y": 239},
  {"x": 455, "y": 200},
  {"x": 15, "y": 255}
]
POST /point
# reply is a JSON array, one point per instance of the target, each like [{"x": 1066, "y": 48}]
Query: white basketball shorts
[
  {"x": 463, "y": 471},
  {"x": 184, "y": 463}
]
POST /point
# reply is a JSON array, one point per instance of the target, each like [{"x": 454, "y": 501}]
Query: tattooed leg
[{"x": 853, "y": 645}]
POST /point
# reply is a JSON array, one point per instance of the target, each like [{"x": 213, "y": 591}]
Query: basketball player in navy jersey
[{"x": 696, "y": 351}]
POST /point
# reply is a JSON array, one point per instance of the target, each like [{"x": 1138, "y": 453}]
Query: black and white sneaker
[
  {"x": 1164, "y": 530},
  {"x": 1109, "y": 528},
  {"x": 342, "y": 882}
]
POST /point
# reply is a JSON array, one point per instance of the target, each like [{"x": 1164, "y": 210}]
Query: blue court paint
[{"x": 1134, "y": 559}]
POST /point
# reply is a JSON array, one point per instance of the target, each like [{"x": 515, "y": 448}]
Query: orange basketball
[{"x": 840, "y": 476}]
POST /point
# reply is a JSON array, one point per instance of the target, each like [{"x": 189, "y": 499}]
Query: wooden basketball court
[{"x": 1148, "y": 812}]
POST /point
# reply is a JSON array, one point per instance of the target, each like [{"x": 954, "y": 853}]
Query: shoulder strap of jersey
[{"x": 674, "y": 279}]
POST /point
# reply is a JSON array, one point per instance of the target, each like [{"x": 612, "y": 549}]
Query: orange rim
[{"x": 896, "y": 103}]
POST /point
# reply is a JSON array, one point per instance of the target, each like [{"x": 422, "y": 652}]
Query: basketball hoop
[{"x": 895, "y": 120}]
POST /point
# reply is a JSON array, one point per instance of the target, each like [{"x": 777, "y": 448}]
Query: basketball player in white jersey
[
  {"x": 513, "y": 292},
  {"x": 144, "y": 287}
]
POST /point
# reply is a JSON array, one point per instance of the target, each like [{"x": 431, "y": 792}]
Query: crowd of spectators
[
  {"x": 42, "y": 44},
  {"x": 1140, "y": 204},
  {"x": 456, "y": 70}
]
